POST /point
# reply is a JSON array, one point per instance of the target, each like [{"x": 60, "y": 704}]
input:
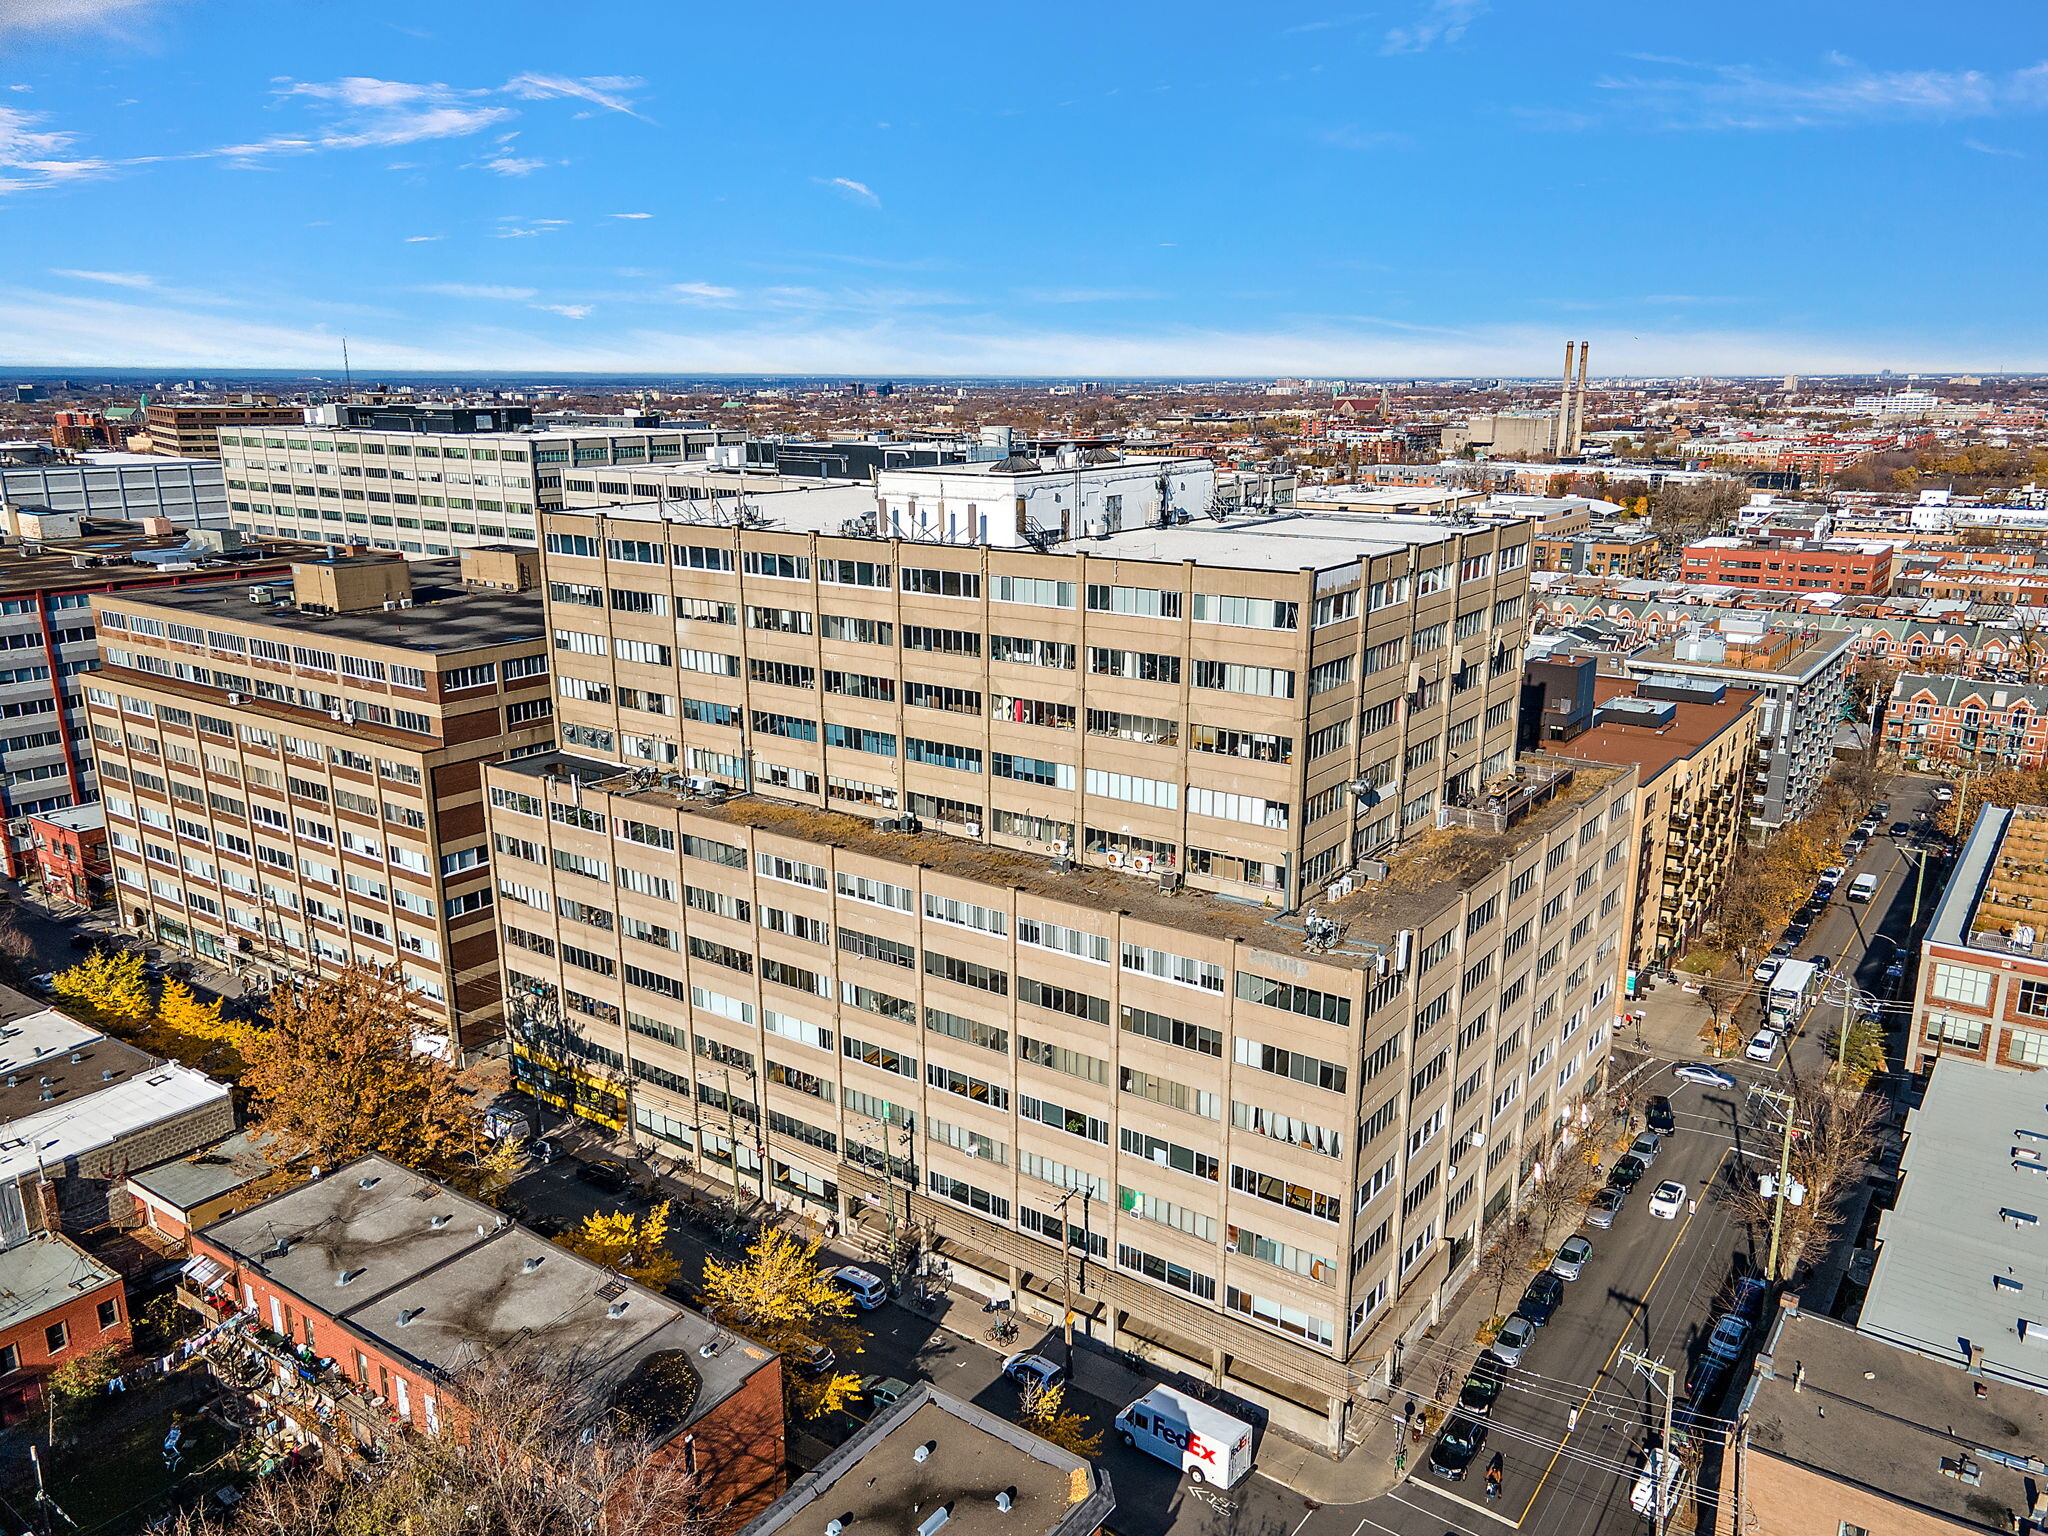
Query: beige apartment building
[
  {"x": 892, "y": 877},
  {"x": 191, "y": 430},
  {"x": 292, "y": 770}
]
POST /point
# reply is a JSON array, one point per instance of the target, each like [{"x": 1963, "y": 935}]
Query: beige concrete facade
[
  {"x": 958, "y": 881},
  {"x": 289, "y": 787}
]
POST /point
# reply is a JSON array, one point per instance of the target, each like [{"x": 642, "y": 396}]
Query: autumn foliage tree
[
  {"x": 340, "y": 1075},
  {"x": 108, "y": 983},
  {"x": 1044, "y": 1412},
  {"x": 781, "y": 1296},
  {"x": 633, "y": 1246},
  {"x": 1837, "y": 1135}
]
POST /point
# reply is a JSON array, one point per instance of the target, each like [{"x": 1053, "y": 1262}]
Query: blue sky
[{"x": 1402, "y": 186}]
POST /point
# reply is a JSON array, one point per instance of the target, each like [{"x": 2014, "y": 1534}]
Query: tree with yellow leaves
[
  {"x": 633, "y": 1246},
  {"x": 1044, "y": 1413},
  {"x": 781, "y": 1296},
  {"x": 108, "y": 983},
  {"x": 179, "y": 1010}
]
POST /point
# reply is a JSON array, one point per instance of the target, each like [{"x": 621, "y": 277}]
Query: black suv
[
  {"x": 1457, "y": 1446},
  {"x": 1628, "y": 1171},
  {"x": 1658, "y": 1116},
  {"x": 1482, "y": 1386},
  {"x": 1542, "y": 1298}
]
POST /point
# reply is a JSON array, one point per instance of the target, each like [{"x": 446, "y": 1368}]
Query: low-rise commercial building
[
  {"x": 292, "y": 772},
  {"x": 395, "y": 1286},
  {"x": 1791, "y": 565},
  {"x": 191, "y": 492},
  {"x": 1843, "y": 1432},
  {"x": 70, "y": 853},
  {"x": 1983, "y": 976},
  {"x": 1960, "y": 1267},
  {"x": 1630, "y": 556},
  {"x": 1803, "y": 676}
]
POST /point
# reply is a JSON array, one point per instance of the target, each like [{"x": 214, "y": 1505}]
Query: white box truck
[
  {"x": 1792, "y": 991},
  {"x": 1208, "y": 1444}
]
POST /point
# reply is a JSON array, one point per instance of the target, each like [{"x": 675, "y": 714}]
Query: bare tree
[
  {"x": 522, "y": 1451},
  {"x": 1568, "y": 1182},
  {"x": 1506, "y": 1260},
  {"x": 1835, "y": 1138}
]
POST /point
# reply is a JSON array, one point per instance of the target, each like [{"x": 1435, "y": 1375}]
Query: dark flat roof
[
  {"x": 1652, "y": 751},
  {"x": 446, "y": 614},
  {"x": 52, "y": 567}
]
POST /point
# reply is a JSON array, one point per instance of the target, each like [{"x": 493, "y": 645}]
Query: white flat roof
[{"x": 64, "y": 1131}]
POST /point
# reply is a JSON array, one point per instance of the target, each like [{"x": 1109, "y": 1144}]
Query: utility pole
[
  {"x": 1667, "y": 1454},
  {"x": 1782, "y": 1188},
  {"x": 1067, "y": 1266}
]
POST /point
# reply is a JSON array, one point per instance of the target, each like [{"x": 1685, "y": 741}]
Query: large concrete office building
[
  {"x": 427, "y": 480},
  {"x": 970, "y": 881},
  {"x": 291, "y": 769},
  {"x": 189, "y": 492}
]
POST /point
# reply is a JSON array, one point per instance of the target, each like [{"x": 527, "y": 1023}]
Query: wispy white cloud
[
  {"x": 858, "y": 191},
  {"x": 1440, "y": 21},
  {"x": 476, "y": 291},
  {"x": 703, "y": 293},
  {"x": 1326, "y": 24},
  {"x": 112, "y": 279},
  {"x": 422, "y": 239},
  {"x": 369, "y": 113},
  {"x": 572, "y": 311},
  {"x": 34, "y": 156},
  {"x": 1844, "y": 94},
  {"x": 514, "y": 165},
  {"x": 607, "y": 91},
  {"x": 632, "y": 215},
  {"x": 1994, "y": 149},
  {"x": 1086, "y": 295}
]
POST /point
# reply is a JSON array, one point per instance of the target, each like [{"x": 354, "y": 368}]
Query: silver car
[
  {"x": 1512, "y": 1342},
  {"x": 1571, "y": 1258}
]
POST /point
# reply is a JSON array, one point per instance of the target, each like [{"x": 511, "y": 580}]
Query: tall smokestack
[
  {"x": 1578, "y": 429},
  {"x": 1564, "y": 405}
]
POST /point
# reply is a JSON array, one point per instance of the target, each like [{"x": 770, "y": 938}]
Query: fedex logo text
[{"x": 1188, "y": 1441}]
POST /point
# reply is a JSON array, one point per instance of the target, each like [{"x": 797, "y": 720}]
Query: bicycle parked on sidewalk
[{"x": 1004, "y": 1332}]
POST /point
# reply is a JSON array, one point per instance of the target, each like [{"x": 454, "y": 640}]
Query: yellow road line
[{"x": 1641, "y": 1307}]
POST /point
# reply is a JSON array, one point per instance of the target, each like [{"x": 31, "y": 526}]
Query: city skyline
[{"x": 1434, "y": 188}]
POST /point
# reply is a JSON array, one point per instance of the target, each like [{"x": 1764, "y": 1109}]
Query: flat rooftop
[
  {"x": 99, "y": 1114},
  {"x": 447, "y": 614},
  {"x": 1652, "y": 750},
  {"x": 1796, "y": 661},
  {"x": 1960, "y": 1258},
  {"x": 1857, "y": 1410},
  {"x": 54, "y": 566},
  {"x": 77, "y": 1059},
  {"x": 789, "y": 506},
  {"x": 243, "y": 1159},
  {"x": 1425, "y": 876},
  {"x": 449, "y": 1282},
  {"x": 875, "y": 1480},
  {"x": 44, "y": 1273},
  {"x": 1300, "y": 538}
]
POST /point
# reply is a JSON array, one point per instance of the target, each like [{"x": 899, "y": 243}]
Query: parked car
[
  {"x": 1900, "y": 829},
  {"x": 869, "y": 1289},
  {"x": 613, "y": 1177},
  {"x": 1571, "y": 1258},
  {"x": 1628, "y": 1171},
  {"x": 816, "y": 1360},
  {"x": 1782, "y": 950},
  {"x": 1882, "y": 809},
  {"x": 1666, "y": 1198},
  {"x": 1765, "y": 970},
  {"x": 1032, "y": 1371},
  {"x": 1699, "y": 1072},
  {"x": 1482, "y": 1386},
  {"x": 1512, "y": 1342},
  {"x": 1796, "y": 931},
  {"x": 1545, "y": 1294},
  {"x": 1605, "y": 1206},
  {"x": 1763, "y": 1045},
  {"x": 1658, "y": 1117},
  {"x": 1458, "y": 1445},
  {"x": 1833, "y": 875},
  {"x": 1705, "y": 1379},
  {"x": 1821, "y": 963},
  {"x": 1895, "y": 974},
  {"x": 885, "y": 1391},
  {"x": 1646, "y": 1147},
  {"x": 1748, "y": 1300},
  {"x": 1729, "y": 1335},
  {"x": 1944, "y": 793}
]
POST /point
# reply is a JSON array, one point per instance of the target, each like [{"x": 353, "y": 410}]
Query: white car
[
  {"x": 1763, "y": 1045},
  {"x": 1512, "y": 1342},
  {"x": 1767, "y": 970},
  {"x": 1667, "y": 1199},
  {"x": 869, "y": 1289}
]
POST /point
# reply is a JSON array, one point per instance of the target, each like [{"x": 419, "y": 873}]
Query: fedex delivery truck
[{"x": 1206, "y": 1443}]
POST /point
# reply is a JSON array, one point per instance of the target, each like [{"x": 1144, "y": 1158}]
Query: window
[
  {"x": 935, "y": 583},
  {"x": 55, "y": 1337},
  {"x": 1960, "y": 984},
  {"x": 1039, "y": 593},
  {"x": 1141, "y": 602},
  {"x": 1292, "y": 1064},
  {"x": 1246, "y": 612},
  {"x": 1326, "y": 1006},
  {"x": 1141, "y": 666},
  {"x": 1229, "y": 677},
  {"x": 782, "y": 567}
]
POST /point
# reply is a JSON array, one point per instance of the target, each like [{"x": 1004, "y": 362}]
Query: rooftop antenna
[{"x": 348, "y": 379}]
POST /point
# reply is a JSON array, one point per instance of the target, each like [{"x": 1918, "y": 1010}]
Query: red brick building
[
  {"x": 70, "y": 852},
  {"x": 1939, "y": 721},
  {"x": 57, "y": 1302},
  {"x": 1791, "y": 565},
  {"x": 372, "y": 1289},
  {"x": 1982, "y": 988}
]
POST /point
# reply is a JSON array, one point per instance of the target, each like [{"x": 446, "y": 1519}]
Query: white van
[
  {"x": 1208, "y": 1444},
  {"x": 1863, "y": 887}
]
